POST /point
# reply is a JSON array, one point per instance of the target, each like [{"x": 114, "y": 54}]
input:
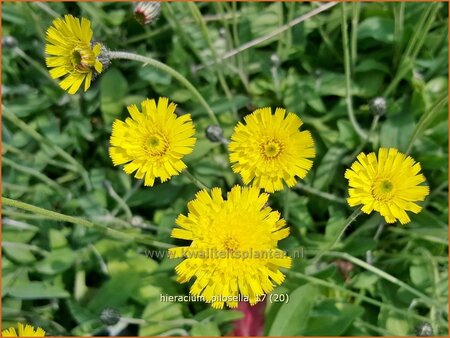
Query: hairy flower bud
[
  {"x": 378, "y": 106},
  {"x": 146, "y": 12},
  {"x": 424, "y": 330},
  {"x": 214, "y": 133},
  {"x": 110, "y": 316}
]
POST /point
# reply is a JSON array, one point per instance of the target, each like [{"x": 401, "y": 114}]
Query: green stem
[
  {"x": 348, "y": 90},
  {"x": 318, "y": 281},
  {"x": 41, "y": 139},
  {"x": 384, "y": 275},
  {"x": 399, "y": 15},
  {"x": 414, "y": 45},
  {"x": 286, "y": 203},
  {"x": 426, "y": 118},
  {"x": 56, "y": 216},
  {"x": 344, "y": 227},
  {"x": 240, "y": 57},
  {"x": 356, "y": 10},
  {"x": 272, "y": 34},
  {"x": 128, "y": 195},
  {"x": 34, "y": 173},
  {"x": 195, "y": 181},
  {"x": 363, "y": 143},
  {"x": 163, "y": 67},
  {"x": 36, "y": 65},
  {"x": 119, "y": 200},
  {"x": 320, "y": 194},
  {"x": 27, "y": 155},
  {"x": 34, "y": 248},
  {"x": 199, "y": 20}
]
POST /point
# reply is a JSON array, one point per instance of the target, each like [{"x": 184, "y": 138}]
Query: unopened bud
[
  {"x": 9, "y": 41},
  {"x": 378, "y": 106},
  {"x": 110, "y": 316},
  {"x": 424, "y": 330},
  {"x": 214, "y": 133},
  {"x": 137, "y": 221},
  {"x": 222, "y": 33},
  {"x": 275, "y": 60},
  {"x": 146, "y": 12}
]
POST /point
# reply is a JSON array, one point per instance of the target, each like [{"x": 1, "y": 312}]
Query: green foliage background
[{"x": 61, "y": 276}]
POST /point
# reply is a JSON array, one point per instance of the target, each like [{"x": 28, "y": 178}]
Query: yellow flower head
[
  {"x": 24, "y": 331},
  {"x": 388, "y": 184},
  {"x": 72, "y": 54},
  {"x": 270, "y": 149},
  {"x": 233, "y": 253},
  {"x": 153, "y": 142}
]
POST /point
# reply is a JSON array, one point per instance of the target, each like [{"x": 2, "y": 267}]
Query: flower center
[
  {"x": 81, "y": 59},
  {"x": 271, "y": 149},
  {"x": 230, "y": 244},
  {"x": 76, "y": 57},
  {"x": 382, "y": 190},
  {"x": 156, "y": 145}
]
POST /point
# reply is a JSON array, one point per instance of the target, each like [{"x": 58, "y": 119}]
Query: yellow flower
[
  {"x": 24, "y": 331},
  {"x": 72, "y": 53},
  {"x": 233, "y": 253},
  {"x": 270, "y": 149},
  {"x": 389, "y": 184},
  {"x": 153, "y": 142}
]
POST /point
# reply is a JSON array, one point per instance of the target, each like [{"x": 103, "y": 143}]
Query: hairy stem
[
  {"x": 56, "y": 216},
  {"x": 169, "y": 70}
]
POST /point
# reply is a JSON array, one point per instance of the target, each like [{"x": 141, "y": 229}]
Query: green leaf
[
  {"x": 330, "y": 316},
  {"x": 225, "y": 316},
  {"x": 265, "y": 19},
  {"x": 114, "y": 292},
  {"x": 18, "y": 253},
  {"x": 57, "y": 239},
  {"x": 327, "y": 168},
  {"x": 397, "y": 131},
  {"x": 159, "y": 316},
  {"x": 113, "y": 89},
  {"x": 160, "y": 195},
  {"x": 57, "y": 262},
  {"x": 37, "y": 290},
  {"x": 394, "y": 323},
  {"x": 205, "y": 329},
  {"x": 293, "y": 316},
  {"x": 154, "y": 76},
  {"x": 371, "y": 64},
  {"x": 378, "y": 28}
]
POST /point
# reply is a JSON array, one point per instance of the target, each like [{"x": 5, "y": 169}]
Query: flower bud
[
  {"x": 275, "y": 60},
  {"x": 424, "y": 330},
  {"x": 146, "y": 12},
  {"x": 214, "y": 133},
  {"x": 110, "y": 316},
  {"x": 378, "y": 106},
  {"x": 9, "y": 41}
]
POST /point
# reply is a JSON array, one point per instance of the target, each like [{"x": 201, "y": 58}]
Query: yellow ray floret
[
  {"x": 153, "y": 142},
  {"x": 71, "y": 53},
  {"x": 269, "y": 149},
  {"x": 233, "y": 253},
  {"x": 23, "y": 331},
  {"x": 389, "y": 184}
]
